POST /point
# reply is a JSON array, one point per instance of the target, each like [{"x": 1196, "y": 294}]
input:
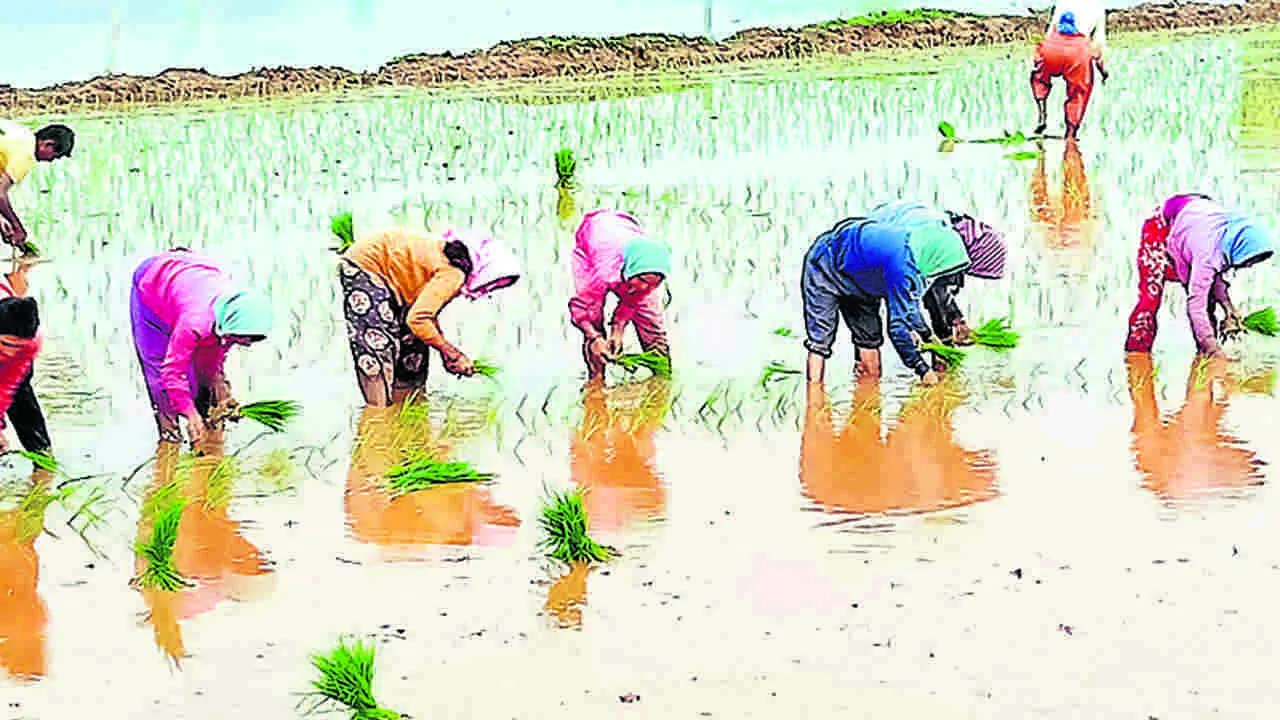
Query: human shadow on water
[
  {"x": 447, "y": 514},
  {"x": 1190, "y": 454},
  {"x": 215, "y": 561},
  {"x": 1065, "y": 222},
  {"x": 917, "y": 468},
  {"x": 23, "y": 613},
  {"x": 612, "y": 462}
]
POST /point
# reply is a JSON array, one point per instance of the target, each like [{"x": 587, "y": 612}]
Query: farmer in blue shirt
[{"x": 852, "y": 267}]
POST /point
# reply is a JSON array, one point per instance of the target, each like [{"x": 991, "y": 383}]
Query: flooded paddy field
[{"x": 1050, "y": 533}]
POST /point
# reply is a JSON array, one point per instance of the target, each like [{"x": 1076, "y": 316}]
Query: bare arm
[{"x": 6, "y": 208}]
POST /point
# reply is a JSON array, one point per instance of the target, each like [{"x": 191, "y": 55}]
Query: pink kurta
[{"x": 597, "y": 270}]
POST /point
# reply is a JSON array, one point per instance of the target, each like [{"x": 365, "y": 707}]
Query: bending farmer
[
  {"x": 1194, "y": 241},
  {"x": 19, "y": 344},
  {"x": 984, "y": 245},
  {"x": 187, "y": 313},
  {"x": 395, "y": 284},
  {"x": 19, "y": 151},
  {"x": 851, "y": 268},
  {"x": 1073, "y": 47},
  {"x": 613, "y": 254}
]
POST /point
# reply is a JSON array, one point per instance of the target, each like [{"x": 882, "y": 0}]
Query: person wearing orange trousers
[{"x": 1071, "y": 51}]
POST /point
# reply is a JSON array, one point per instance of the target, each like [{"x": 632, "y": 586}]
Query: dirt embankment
[{"x": 578, "y": 57}]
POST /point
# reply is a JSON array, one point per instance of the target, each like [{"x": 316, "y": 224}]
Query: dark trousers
[{"x": 28, "y": 419}]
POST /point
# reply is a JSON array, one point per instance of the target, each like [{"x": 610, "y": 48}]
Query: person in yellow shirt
[{"x": 20, "y": 149}]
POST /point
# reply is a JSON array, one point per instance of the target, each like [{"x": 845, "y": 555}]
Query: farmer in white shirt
[
  {"x": 1074, "y": 46},
  {"x": 20, "y": 149}
]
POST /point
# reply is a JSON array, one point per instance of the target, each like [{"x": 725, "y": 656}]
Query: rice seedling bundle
[
  {"x": 346, "y": 680},
  {"x": 271, "y": 414},
  {"x": 952, "y": 357},
  {"x": 485, "y": 368},
  {"x": 423, "y": 472},
  {"x": 995, "y": 333},
  {"x": 31, "y": 250},
  {"x": 343, "y": 228},
  {"x": 658, "y": 364},
  {"x": 1262, "y": 322},
  {"x": 565, "y": 533},
  {"x": 158, "y": 551},
  {"x": 566, "y": 167},
  {"x": 43, "y": 461}
]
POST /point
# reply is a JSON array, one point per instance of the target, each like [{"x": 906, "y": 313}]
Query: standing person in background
[
  {"x": 614, "y": 254},
  {"x": 984, "y": 245},
  {"x": 1073, "y": 47},
  {"x": 186, "y": 313},
  {"x": 1193, "y": 240},
  {"x": 855, "y": 265},
  {"x": 20, "y": 149}
]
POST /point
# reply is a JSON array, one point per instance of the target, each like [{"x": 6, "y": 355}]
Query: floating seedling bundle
[
  {"x": 656, "y": 363},
  {"x": 343, "y": 228},
  {"x": 274, "y": 415},
  {"x": 565, "y": 531},
  {"x": 1262, "y": 322},
  {"x": 566, "y": 169},
  {"x": 160, "y": 572},
  {"x": 424, "y": 472},
  {"x": 346, "y": 681}
]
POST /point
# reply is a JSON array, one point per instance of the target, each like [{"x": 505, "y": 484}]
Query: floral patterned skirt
[{"x": 381, "y": 343}]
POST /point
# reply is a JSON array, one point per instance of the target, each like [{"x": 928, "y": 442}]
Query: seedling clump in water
[
  {"x": 346, "y": 680},
  {"x": 656, "y": 363},
  {"x": 424, "y": 472},
  {"x": 343, "y": 227},
  {"x": 1262, "y": 322},
  {"x": 158, "y": 552},
  {"x": 566, "y": 168},
  {"x": 565, "y": 533}
]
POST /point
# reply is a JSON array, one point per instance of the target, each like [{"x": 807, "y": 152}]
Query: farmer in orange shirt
[{"x": 1074, "y": 46}]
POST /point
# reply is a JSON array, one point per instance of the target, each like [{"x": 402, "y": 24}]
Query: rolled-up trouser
[
  {"x": 1069, "y": 57},
  {"x": 151, "y": 342},
  {"x": 828, "y": 296}
]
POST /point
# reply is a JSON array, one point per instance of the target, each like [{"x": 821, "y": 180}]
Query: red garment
[
  {"x": 15, "y": 362},
  {"x": 1155, "y": 267},
  {"x": 1069, "y": 57}
]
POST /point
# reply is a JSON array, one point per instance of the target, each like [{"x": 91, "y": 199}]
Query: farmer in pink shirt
[
  {"x": 187, "y": 312},
  {"x": 613, "y": 254}
]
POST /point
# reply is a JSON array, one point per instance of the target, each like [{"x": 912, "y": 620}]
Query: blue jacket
[{"x": 877, "y": 259}]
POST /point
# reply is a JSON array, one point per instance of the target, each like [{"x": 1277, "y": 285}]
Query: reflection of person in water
[
  {"x": 1066, "y": 223},
  {"x": 613, "y": 451},
  {"x": 454, "y": 514},
  {"x": 917, "y": 468},
  {"x": 23, "y": 613},
  {"x": 209, "y": 551},
  {"x": 1190, "y": 453}
]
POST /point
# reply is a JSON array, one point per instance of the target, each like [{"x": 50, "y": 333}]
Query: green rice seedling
[
  {"x": 774, "y": 370},
  {"x": 30, "y": 249},
  {"x": 346, "y": 681},
  {"x": 485, "y": 368},
  {"x": 566, "y": 168},
  {"x": 1024, "y": 155},
  {"x": 952, "y": 357},
  {"x": 784, "y": 332},
  {"x": 1262, "y": 322},
  {"x": 423, "y": 472},
  {"x": 656, "y": 363},
  {"x": 271, "y": 414},
  {"x": 343, "y": 227},
  {"x": 565, "y": 533},
  {"x": 43, "y": 461},
  {"x": 158, "y": 551},
  {"x": 996, "y": 333}
]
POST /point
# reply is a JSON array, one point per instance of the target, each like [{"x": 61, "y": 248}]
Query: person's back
[
  {"x": 1088, "y": 18},
  {"x": 908, "y": 213},
  {"x": 600, "y": 241},
  {"x": 17, "y": 150},
  {"x": 862, "y": 249},
  {"x": 179, "y": 282},
  {"x": 406, "y": 259}
]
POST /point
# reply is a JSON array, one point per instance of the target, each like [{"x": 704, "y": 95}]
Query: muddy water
[{"x": 1055, "y": 532}]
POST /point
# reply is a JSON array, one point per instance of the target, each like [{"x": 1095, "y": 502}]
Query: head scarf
[
  {"x": 1244, "y": 240},
  {"x": 242, "y": 312},
  {"x": 907, "y": 214},
  {"x": 937, "y": 251},
  {"x": 493, "y": 265},
  {"x": 1067, "y": 24},
  {"x": 984, "y": 245},
  {"x": 646, "y": 255}
]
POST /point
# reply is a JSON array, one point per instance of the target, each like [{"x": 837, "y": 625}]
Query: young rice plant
[
  {"x": 346, "y": 681},
  {"x": 565, "y": 534}
]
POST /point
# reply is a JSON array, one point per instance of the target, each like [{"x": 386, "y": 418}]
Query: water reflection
[
  {"x": 209, "y": 550},
  {"x": 612, "y": 455},
  {"x": 567, "y": 596},
  {"x": 918, "y": 467},
  {"x": 1064, "y": 221},
  {"x": 1190, "y": 454},
  {"x": 23, "y": 613},
  {"x": 453, "y": 514}
]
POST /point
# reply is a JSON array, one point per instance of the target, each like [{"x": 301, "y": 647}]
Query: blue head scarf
[
  {"x": 1245, "y": 240},
  {"x": 1067, "y": 24},
  {"x": 242, "y": 312},
  {"x": 646, "y": 255}
]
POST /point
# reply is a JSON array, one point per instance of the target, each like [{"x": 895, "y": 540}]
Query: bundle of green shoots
[
  {"x": 564, "y": 528},
  {"x": 158, "y": 552},
  {"x": 343, "y": 227},
  {"x": 31, "y": 250},
  {"x": 42, "y": 461},
  {"x": 346, "y": 680},
  {"x": 1262, "y": 322},
  {"x": 951, "y": 356},
  {"x": 485, "y": 367},
  {"x": 423, "y": 472},
  {"x": 274, "y": 415},
  {"x": 566, "y": 167},
  {"x": 996, "y": 334},
  {"x": 658, "y": 364}
]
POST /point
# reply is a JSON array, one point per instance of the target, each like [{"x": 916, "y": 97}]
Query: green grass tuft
[
  {"x": 949, "y": 355},
  {"x": 346, "y": 680},
  {"x": 158, "y": 552},
  {"x": 1262, "y": 322},
  {"x": 996, "y": 334},
  {"x": 271, "y": 414},
  {"x": 656, "y": 363},
  {"x": 423, "y": 472},
  {"x": 565, "y": 534},
  {"x": 343, "y": 228}
]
